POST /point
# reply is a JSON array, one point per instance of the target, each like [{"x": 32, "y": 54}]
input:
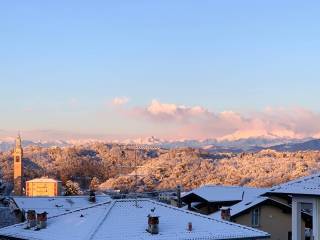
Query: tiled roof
[
  {"x": 309, "y": 185},
  {"x": 122, "y": 219}
]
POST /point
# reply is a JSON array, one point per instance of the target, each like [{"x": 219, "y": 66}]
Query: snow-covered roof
[
  {"x": 309, "y": 185},
  {"x": 43, "y": 180},
  {"x": 56, "y": 205},
  {"x": 251, "y": 198},
  {"x": 218, "y": 193},
  {"x": 122, "y": 219},
  {"x": 241, "y": 206}
]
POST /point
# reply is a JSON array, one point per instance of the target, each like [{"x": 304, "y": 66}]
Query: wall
[
  {"x": 49, "y": 189},
  {"x": 272, "y": 220}
]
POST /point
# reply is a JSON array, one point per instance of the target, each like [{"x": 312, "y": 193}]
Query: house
[
  {"x": 263, "y": 213},
  {"x": 246, "y": 206},
  {"x": 210, "y": 198},
  {"x": 305, "y": 194},
  {"x": 130, "y": 219}
]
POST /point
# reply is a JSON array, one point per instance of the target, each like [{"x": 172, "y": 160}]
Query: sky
[{"x": 173, "y": 69}]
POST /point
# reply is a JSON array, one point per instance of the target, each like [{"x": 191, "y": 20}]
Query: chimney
[
  {"x": 92, "y": 197},
  {"x": 190, "y": 226},
  {"x": 153, "y": 223},
  {"x": 179, "y": 203},
  {"x": 31, "y": 219},
  {"x": 225, "y": 213},
  {"x": 42, "y": 220}
]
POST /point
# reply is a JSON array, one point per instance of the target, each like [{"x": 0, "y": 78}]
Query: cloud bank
[{"x": 200, "y": 123}]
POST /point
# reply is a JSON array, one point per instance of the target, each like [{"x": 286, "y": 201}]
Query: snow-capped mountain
[
  {"x": 213, "y": 145},
  {"x": 8, "y": 145}
]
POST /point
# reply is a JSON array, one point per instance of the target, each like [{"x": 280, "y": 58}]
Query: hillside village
[
  {"x": 160, "y": 169},
  {"x": 53, "y": 185},
  {"x": 160, "y": 120}
]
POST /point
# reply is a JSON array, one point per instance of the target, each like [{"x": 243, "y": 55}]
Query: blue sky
[{"x": 62, "y": 62}]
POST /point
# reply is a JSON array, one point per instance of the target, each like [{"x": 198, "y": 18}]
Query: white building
[{"x": 129, "y": 219}]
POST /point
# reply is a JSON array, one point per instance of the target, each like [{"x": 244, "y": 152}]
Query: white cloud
[
  {"x": 199, "y": 122},
  {"x": 118, "y": 101},
  {"x": 172, "y": 112}
]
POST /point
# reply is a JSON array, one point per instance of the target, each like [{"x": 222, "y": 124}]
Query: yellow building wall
[
  {"x": 48, "y": 189},
  {"x": 273, "y": 221}
]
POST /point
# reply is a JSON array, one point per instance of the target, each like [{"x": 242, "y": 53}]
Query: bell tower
[{"x": 18, "y": 167}]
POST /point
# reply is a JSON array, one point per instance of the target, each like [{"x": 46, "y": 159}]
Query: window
[
  {"x": 17, "y": 159},
  {"x": 255, "y": 217}
]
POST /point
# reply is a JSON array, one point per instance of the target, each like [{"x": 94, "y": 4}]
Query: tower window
[{"x": 17, "y": 159}]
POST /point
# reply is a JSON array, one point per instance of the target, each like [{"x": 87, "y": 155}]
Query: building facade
[
  {"x": 271, "y": 217},
  {"x": 45, "y": 187}
]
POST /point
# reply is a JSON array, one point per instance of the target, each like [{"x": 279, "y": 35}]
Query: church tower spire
[{"x": 18, "y": 167}]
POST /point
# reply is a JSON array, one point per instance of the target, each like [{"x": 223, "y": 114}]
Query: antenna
[
  {"x": 136, "y": 177},
  {"x": 137, "y": 147}
]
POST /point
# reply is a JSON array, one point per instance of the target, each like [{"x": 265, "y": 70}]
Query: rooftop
[
  {"x": 38, "y": 180},
  {"x": 241, "y": 206},
  {"x": 56, "y": 205},
  {"x": 121, "y": 219},
  {"x": 217, "y": 193},
  {"x": 309, "y": 185}
]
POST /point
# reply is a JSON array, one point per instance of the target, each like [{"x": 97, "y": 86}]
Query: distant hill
[
  {"x": 239, "y": 145},
  {"x": 311, "y": 145},
  {"x": 115, "y": 164}
]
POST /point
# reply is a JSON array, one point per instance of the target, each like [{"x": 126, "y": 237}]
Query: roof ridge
[
  {"x": 81, "y": 209},
  {"x": 100, "y": 222}
]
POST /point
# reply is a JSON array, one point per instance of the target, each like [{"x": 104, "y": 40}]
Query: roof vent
[
  {"x": 179, "y": 202},
  {"x": 153, "y": 222},
  {"x": 225, "y": 213},
  {"x": 190, "y": 226}
]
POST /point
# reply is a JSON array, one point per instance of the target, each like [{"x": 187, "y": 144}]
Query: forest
[{"x": 118, "y": 167}]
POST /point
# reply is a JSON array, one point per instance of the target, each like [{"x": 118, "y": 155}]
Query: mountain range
[{"x": 211, "y": 145}]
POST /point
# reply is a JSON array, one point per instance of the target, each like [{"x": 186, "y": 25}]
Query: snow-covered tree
[
  {"x": 72, "y": 189},
  {"x": 94, "y": 184}
]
